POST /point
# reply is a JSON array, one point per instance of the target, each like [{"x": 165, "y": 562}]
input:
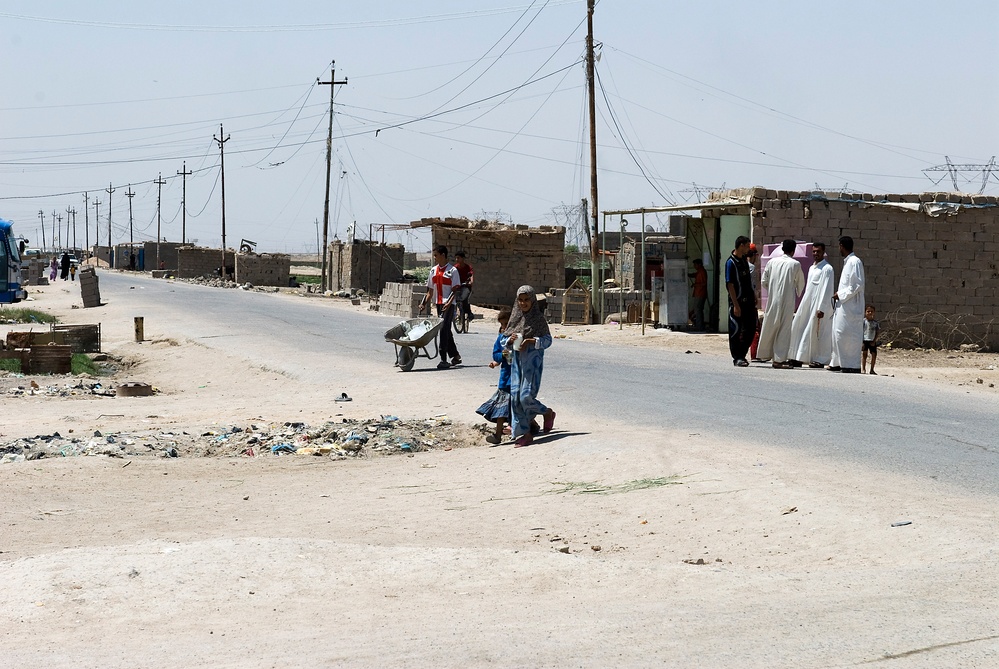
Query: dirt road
[{"x": 675, "y": 551}]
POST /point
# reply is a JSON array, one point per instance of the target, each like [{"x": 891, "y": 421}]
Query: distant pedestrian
[
  {"x": 53, "y": 269},
  {"x": 497, "y": 408},
  {"x": 871, "y": 331},
  {"x": 65, "y": 263},
  {"x": 131, "y": 262},
  {"x": 72, "y": 272},
  {"x": 741, "y": 303},
  {"x": 700, "y": 294},
  {"x": 848, "y": 317},
  {"x": 528, "y": 336},
  {"x": 442, "y": 285}
]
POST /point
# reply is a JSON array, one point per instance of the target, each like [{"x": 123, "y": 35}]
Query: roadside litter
[{"x": 341, "y": 439}]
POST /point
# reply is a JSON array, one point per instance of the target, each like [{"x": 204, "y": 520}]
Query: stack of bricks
[
  {"x": 266, "y": 269},
  {"x": 365, "y": 265},
  {"x": 401, "y": 299},
  {"x": 914, "y": 263},
  {"x": 194, "y": 262},
  {"x": 505, "y": 257},
  {"x": 90, "y": 287},
  {"x": 34, "y": 274}
]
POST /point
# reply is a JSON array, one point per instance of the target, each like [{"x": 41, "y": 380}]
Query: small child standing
[
  {"x": 497, "y": 408},
  {"x": 871, "y": 331},
  {"x": 72, "y": 273}
]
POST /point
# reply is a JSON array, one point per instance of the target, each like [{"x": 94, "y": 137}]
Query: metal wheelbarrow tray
[{"x": 411, "y": 338}]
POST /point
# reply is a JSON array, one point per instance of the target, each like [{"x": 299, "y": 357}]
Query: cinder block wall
[
  {"x": 401, "y": 299},
  {"x": 365, "y": 265},
  {"x": 933, "y": 280},
  {"x": 265, "y": 269},
  {"x": 194, "y": 262},
  {"x": 507, "y": 258},
  {"x": 168, "y": 255}
]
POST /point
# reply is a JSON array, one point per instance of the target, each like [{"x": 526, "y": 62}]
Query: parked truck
[{"x": 10, "y": 265}]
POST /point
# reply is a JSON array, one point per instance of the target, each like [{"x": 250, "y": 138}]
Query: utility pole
[
  {"x": 86, "y": 221},
  {"x": 55, "y": 231},
  {"x": 131, "y": 231},
  {"x": 74, "y": 229},
  {"x": 109, "y": 190},
  {"x": 69, "y": 212},
  {"x": 332, "y": 83},
  {"x": 221, "y": 143},
  {"x": 183, "y": 204},
  {"x": 159, "y": 197},
  {"x": 594, "y": 208},
  {"x": 97, "y": 231},
  {"x": 41, "y": 217}
]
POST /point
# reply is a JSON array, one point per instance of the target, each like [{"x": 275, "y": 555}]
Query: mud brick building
[
  {"x": 195, "y": 261},
  {"x": 263, "y": 269},
  {"x": 504, "y": 257},
  {"x": 364, "y": 265},
  {"x": 931, "y": 259}
]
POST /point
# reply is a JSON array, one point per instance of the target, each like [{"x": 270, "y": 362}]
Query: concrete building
[
  {"x": 504, "y": 257},
  {"x": 930, "y": 258}
]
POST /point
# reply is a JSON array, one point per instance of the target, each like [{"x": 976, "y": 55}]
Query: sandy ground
[{"x": 602, "y": 546}]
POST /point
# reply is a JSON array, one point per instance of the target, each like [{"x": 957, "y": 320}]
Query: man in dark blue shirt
[{"x": 741, "y": 302}]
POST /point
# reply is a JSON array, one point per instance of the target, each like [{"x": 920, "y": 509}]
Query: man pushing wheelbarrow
[{"x": 442, "y": 286}]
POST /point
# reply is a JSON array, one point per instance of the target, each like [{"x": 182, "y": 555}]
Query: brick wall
[
  {"x": 194, "y": 261},
  {"x": 506, "y": 257},
  {"x": 263, "y": 269},
  {"x": 401, "y": 299},
  {"x": 364, "y": 265},
  {"x": 933, "y": 280}
]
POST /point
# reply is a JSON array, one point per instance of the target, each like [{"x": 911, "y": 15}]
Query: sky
[{"x": 475, "y": 109}]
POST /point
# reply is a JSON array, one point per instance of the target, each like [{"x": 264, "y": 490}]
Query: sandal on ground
[
  {"x": 526, "y": 440},
  {"x": 494, "y": 439}
]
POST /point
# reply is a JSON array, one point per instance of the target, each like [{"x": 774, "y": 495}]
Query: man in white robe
[
  {"x": 811, "y": 329},
  {"x": 848, "y": 314},
  {"x": 784, "y": 281}
]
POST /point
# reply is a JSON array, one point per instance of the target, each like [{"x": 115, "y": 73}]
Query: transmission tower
[
  {"x": 700, "y": 192},
  {"x": 955, "y": 169}
]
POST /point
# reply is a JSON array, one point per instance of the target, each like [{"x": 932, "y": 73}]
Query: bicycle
[{"x": 463, "y": 311}]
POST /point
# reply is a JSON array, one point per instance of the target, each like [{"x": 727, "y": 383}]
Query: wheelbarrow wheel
[{"x": 407, "y": 358}]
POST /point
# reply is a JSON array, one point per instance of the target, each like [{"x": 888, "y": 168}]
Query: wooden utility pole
[
  {"x": 86, "y": 223},
  {"x": 97, "y": 231},
  {"x": 183, "y": 203},
  {"x": 55, "y": 231},
  {"x": 131, "y": 231},
  {"x": 69, "y": 212},
  {"x": 594, "y": 208},
  {"x": 109, "y": 190},
  {"x": 41, "y": 217},
  {"x": 159, "y": 196},
  {"x": 332, "y": 83},
  {"x": 74, "y": 229},
  {"x": 221, "y": 143}
]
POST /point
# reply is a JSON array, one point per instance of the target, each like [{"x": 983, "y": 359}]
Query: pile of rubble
[
  {"x": 213, "y": 281},
  {"x": 338, "y": 440},
  {"x": 76, "y": 386}
]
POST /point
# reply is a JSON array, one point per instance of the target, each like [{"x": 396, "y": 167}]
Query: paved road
[{"x": 889, "y": 424}]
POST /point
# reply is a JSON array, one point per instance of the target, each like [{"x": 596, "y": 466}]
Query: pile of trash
[
  {"x": 338, "y": 440},
  {"x": 76, "y": 386}
]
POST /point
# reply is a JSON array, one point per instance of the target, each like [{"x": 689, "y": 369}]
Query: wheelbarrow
[{"x": 411, "y": 338}]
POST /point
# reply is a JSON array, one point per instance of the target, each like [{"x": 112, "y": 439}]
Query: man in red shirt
[
  {"x": 700, "y": 277},
  {"x": 467, "y": 278},
  {"x": 441, "y": 286}
]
